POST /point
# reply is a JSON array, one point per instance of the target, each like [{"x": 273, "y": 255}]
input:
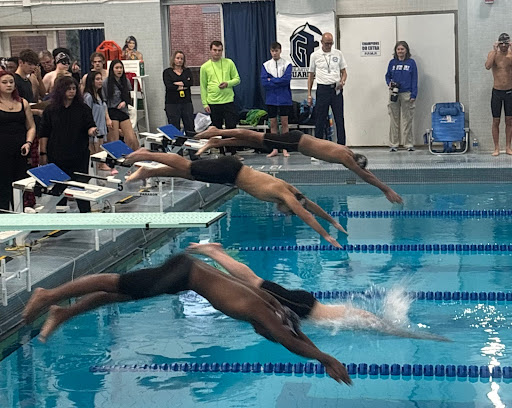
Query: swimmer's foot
[
  {"x": 273, "y": 153},
  {"x": 285, "y": 153},
  {"x": 141, "y": 173},
  {"x": 509, "y": 150},
  {"x": 38, "y": 301},
  {"x": 56, "y": 316},
  {"x": 208, "y": 133},
  {"x": 496, "y": 152}
]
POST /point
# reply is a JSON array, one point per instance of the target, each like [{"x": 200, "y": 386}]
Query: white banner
[{"x": 300, "y": 36}]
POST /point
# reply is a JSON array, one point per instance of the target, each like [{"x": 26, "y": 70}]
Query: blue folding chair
[{"x": 448, "y": 129}]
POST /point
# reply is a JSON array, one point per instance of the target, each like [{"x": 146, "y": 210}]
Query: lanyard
[
  {"x": 221, "y": 72},
  {"x": 328, "y": 63}
]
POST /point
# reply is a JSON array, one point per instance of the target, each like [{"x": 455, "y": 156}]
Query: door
[
  {"x": 431, "y": 38},
  {"x": 366, "y": 94}
]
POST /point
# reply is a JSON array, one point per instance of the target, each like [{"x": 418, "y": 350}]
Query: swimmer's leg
[
  {"x": 43, "y": 298},
  {"x": 58, "y": 315}
]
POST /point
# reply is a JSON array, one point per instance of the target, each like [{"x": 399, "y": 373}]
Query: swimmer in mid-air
[
  {"x": 303, "y": 303},
  {"x": 229, "y": 170},
  {"x": 297, "y": 141},
  {"x": 182, "y": 272}
]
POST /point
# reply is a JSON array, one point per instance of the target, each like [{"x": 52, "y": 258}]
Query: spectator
[
  {"x": 329, "y": 68},
  {"x": 130, "y": 49},
  {"x": 500, "y": 61},
  {"x": 276, "y": 75},
  {"x": 66, "y": 127},
  {"x": 12, "y": 65},
  {"x": 97, "y": 65},
  {"x": 93, "y": 97},
  {"x": 62, "y": 63},
  {"x": 178, "y": 100},
  {"x": 17, "y": 133},
  {"x": 116, "y": 91},
  {"x": 46, "y": 62},
  {"x": 28, "y": 61},
  {"x": 218, "y": 76},
  {"x": 402, "y": 75},
  {"x": 74, "y": 68}
]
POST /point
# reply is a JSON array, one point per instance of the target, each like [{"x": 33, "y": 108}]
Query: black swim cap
[
  {"x": 504, "y": 38},
  {"x": 361, "y": 160}
]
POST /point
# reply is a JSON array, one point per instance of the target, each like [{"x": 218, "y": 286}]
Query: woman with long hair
[
  {"x": 130, "y": 49},
  {"x": 93, "y": 98},
  {"x": 66, "y": 127},
  {"x": 116, "y": 91},
  {"x": 17, "y": 133},
  {"x": 178, "y": 100},
  {"x": 402, "y": 81}
]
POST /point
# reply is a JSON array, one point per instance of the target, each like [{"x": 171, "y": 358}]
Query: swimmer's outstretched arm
[
  {"x": 234, "y": 268},
  {"x": 317, "y": 210},
  {"x": 300, "y": 344},
  {"x": 293, "y": 204},
  {"x": 370, "y": 178}
]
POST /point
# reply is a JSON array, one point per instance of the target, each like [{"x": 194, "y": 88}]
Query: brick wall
[
  {"x": 34, "y": 42},
  {"x": 193, "y": 28}
]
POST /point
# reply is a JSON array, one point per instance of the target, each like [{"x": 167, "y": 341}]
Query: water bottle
[{"x": 475, "y": 145}]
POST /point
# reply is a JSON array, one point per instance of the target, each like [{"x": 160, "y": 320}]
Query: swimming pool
[{"x": 185, "y": 328}]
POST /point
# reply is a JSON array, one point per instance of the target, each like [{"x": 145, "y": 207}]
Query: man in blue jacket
[{"x": 276, "y": 75}]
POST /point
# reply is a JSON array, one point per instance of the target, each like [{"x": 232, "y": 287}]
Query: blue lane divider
[
  {"x": 406, "y": 214},
  {"x": 383, "y": 370},
  {"x": 385, "y": 248},
  {"x": 421, "y": 295}
]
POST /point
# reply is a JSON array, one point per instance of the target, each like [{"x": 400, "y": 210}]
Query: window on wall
[{"x": 192, "y": 29}]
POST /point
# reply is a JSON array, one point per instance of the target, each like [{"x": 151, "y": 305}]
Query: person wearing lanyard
[
  {"x": 329, "y": 68},
  {"x": 218, "y": 76}
]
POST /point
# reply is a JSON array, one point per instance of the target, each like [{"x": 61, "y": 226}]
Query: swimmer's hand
[
  {"x": 138, "y": 155},
  {"x": 332, "y": 241},
  {"x": 393, "y": 197},
  {"x": 336, "y": 370}
]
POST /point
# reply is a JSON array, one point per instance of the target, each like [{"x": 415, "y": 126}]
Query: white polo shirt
[{"x": 327, "y": 66}]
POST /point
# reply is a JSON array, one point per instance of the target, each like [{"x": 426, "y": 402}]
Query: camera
[{"x": 395, "y": 87}]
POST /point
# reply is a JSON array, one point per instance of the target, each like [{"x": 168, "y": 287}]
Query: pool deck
[{"x": 59, "y": 259}]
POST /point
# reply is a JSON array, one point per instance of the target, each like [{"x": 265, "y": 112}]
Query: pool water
[{"x": 185, "y": 328}]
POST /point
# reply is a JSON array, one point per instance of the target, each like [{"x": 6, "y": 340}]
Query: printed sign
[
  {"x": 370, "y": 48},
  {"x": 300, "y": 36}
]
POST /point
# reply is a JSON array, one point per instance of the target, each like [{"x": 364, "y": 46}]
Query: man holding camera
[
  {"x": 327, "y": 65},
  {"x": 402, "y": 80},
  {"x": 500, "y": 60}
]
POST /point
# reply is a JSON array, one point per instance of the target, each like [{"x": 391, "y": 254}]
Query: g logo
[{"x": 302, "y": 44}]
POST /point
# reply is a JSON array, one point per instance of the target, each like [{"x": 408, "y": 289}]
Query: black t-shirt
[{"x": 24, "y": 87}]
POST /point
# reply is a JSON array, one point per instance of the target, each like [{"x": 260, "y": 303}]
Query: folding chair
[{"x": 448, "y": 129}]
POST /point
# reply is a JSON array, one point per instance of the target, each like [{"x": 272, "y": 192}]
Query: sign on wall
[
  {"x": 370, "y": 48},
  {"x": 300, "y": 36}
]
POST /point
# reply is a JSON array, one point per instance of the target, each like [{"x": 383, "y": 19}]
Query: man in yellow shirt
[{"x": 218, "y": 76}]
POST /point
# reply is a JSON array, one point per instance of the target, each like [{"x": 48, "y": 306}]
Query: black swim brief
[
  {"x": 299, "y": 301},
  {"x": 170, "y": 278},
  {"x": 289, "y": 141},
  {"x": 223, "y": 170}
]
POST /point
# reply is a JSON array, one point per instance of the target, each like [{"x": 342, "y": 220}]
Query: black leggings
[{"x": 170, "y": 278}]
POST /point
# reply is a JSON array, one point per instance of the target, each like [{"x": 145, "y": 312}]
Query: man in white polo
[{"x": 329, "y": 68}]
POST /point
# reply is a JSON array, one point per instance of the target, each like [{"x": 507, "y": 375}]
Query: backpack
[{"x": 307, "y": 113}]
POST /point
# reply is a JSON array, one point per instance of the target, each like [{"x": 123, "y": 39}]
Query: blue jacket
[
  {"x": 404, "y": 73},
  {"x": 277, "y": 89}
]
